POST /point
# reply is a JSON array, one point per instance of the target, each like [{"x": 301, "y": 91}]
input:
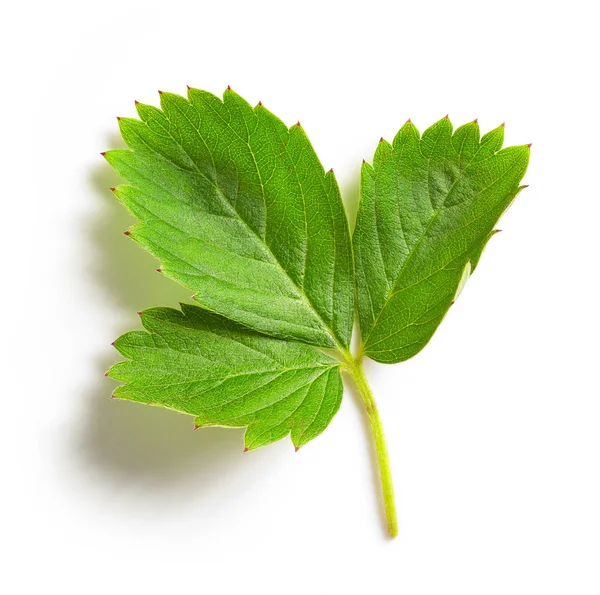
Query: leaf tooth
[
  {"x": 492, "y": 140},
  {"x": 131, "y": 232},
  {"x": 407, "y": 130},
  {"x": 145, "y": 111},
  {"x": 382, "y": 152},
  {"x": 126, "y": 123}
]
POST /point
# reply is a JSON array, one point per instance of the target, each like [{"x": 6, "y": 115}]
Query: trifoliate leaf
[
  {"x": 239, "y": 209},
  {"x": 428, "y": 207},
  {"x": 202, "y": 364}
]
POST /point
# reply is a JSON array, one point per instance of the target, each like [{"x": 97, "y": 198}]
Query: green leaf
[
  {"x": 239, "y": 209},
  {"x": 204, "y": 365},
  {"x": 428, "y": 206}
]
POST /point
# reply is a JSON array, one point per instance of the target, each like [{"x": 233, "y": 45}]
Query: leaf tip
[
  {"x": 228, "y": 88},
  {"x": 139, "y": 313},
  {"x": 160, "y": 92},
  {"x": 330, "y": 171},
  {"x": 246, "y": 449},
  {"x": 113, "y": 189},
  {"x": 475, "y": 121},
  {"x": 381, "y": 139},
  {"x": 118, "y": 118},
  {"x": 446, "y": 117},
  {"x": 127, "y": 233},
  {"x": 298, "y": 124},
  {"x": 496, "y": 231},
  {"x": 136, "y": 102},
  {"x": 529, "y": 145},
  {"x": 103, "y": 153},
  {"x": 260, "y": 104},
  {"x": 452, "y": 302},
  {"x": 159, "y": 270},
  {"x": 196, "y": 427},
  {"x": 364, "y": 161},
  {"x": 188, "y": 87},
  {"x": 409, "y": 121},
  {"x": 503, "y": 125},
  {"x": 296, "y": 448}
]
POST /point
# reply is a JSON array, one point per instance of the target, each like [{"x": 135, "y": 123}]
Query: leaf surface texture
[
  {"x": 238, "y": 208},
  {"x": 428, "y": 206},
  {"x": 202, "y": 364}
]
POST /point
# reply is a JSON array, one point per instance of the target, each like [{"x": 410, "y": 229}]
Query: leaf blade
[
  {"x": 428, "y": 206},
  {"x": 202, "y": 364},
  {"x": 232, "y": 202}
]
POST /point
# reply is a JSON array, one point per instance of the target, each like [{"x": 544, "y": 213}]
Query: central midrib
[
  {"x": 391, "y": 291},
  {"x": 303, "y": 296}
]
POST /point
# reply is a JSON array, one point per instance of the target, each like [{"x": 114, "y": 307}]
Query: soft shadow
[
  {"x": 122, "y": 440},
  {"x": 351, "y": 196},
  {"x": 148, "y": 447},
  {"x": 124, "y": 272}
]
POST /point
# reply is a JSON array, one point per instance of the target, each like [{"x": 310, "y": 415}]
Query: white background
[{"x": 493, "y": 429}]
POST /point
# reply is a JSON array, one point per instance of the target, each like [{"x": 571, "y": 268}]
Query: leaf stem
[{"x": 356, "y": 370}]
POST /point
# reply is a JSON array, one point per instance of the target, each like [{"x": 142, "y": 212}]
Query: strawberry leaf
[
  {"x": 239, "y": 209},
  {"x": 204, "y": 365},
  {"x": 428, "y": 206}
]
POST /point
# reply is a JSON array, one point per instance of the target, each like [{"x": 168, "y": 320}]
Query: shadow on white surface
[
  {"x": 131, "y": 440},
  {"x": 350, "y": 190},
  {"x": 130, "y": 443},
  {"x": 135, "y": 448}
]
